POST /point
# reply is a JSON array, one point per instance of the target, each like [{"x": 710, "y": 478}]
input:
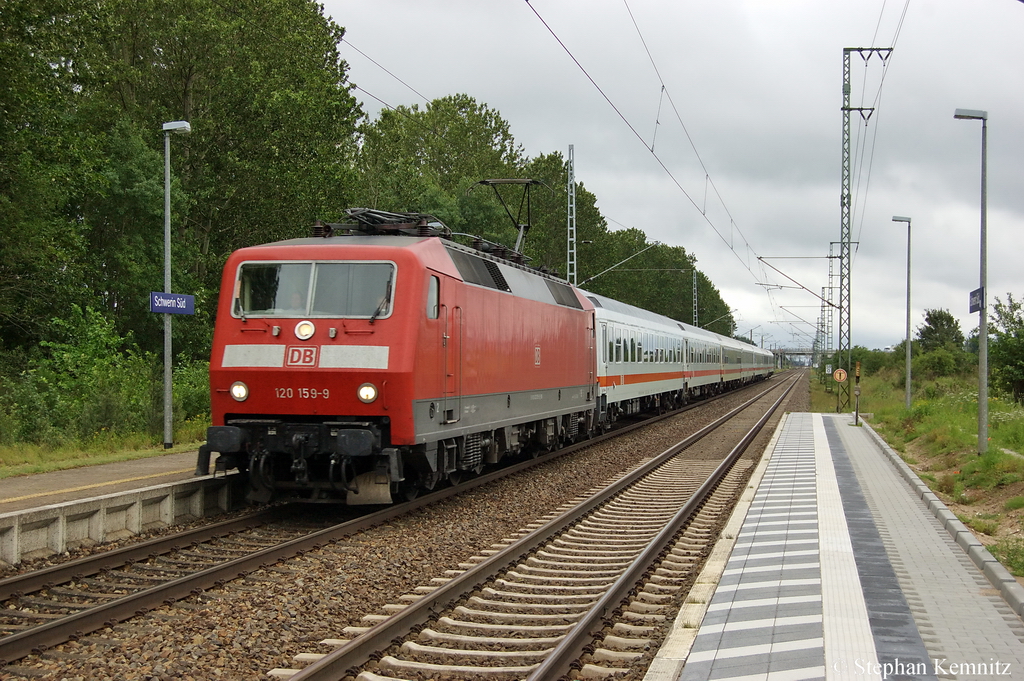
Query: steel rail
[
  {"x": 39, "y": 638},
  {"x": 559, "y": 661},
  {"x": 19, "y": 585},
  {"x": 359, "y": 650}
]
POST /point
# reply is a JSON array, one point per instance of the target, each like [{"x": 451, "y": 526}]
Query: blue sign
[
  {"x": 977, "y": 296},
  {"x": 172, "y": 303}
]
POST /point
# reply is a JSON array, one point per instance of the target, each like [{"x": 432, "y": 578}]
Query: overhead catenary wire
[
  {"x": 385, "y": 70},
  {"x": 639, "y": 137},
  {"x": 862, "y": 197}
]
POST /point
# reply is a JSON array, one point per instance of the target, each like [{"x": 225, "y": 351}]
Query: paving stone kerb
[{"x": 1001, "y": 579}]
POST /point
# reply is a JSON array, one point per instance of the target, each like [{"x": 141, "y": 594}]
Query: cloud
[{"x": 759, "y": 88}]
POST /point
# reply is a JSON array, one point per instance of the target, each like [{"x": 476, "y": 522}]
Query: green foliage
[
  {"x": 84, "y": 87},
  {"x": 939, "y": 362},
  {"x": 93, "y": 383},
  {"x": 427, "y": 160},
  {"x": 276, "y": 143},
  {"x": 994, "y": 469},
  {"x": 1010, "y": 552},
  {"x": 981, "y": 524},
  {"x": 940, "y": 330},
  {"x": 1006, "y": 350},
  {"x": 430, "y": 159},
  {"x": 1014, "y": 504}
]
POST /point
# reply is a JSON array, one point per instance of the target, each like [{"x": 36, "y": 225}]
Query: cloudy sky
[{"x": 758, "y": 86}]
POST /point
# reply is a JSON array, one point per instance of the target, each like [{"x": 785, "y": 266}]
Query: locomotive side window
[{"x": 433, "y": 297}]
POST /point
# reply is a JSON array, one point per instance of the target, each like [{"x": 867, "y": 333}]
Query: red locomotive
[{"x": 380, "y": 358}]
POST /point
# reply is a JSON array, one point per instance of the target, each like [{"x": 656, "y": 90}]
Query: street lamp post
[
  {"x": 180, "y": 127},
  {"x": 975, "y": 115},
  {"x": 898, "y": 218}
]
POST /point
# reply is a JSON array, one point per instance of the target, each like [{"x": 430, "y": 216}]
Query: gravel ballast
[{"x": 260, "y": 622}]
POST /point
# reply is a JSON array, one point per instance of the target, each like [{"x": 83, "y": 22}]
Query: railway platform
[
  {"x": 76, "y": 484},
  {"x": 839, "y": 563}
]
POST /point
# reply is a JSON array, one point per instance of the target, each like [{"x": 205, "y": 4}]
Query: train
[{"x": 379, "y": 358}]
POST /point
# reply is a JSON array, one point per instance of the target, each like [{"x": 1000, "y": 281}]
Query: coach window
[
  {"x": 618, "y": 345},
  {"x": 433, "y": 297}
]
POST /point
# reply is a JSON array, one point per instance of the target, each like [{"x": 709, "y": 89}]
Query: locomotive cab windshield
[{"x": 359, "y": 290}]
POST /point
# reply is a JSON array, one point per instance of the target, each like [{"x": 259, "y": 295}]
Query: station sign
[
  {"x": 977, "y": 295},
  {"x": 172, "y": 303}
]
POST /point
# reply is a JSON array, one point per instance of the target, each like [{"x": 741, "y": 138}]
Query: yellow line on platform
[{"x": 98, "y": 484}]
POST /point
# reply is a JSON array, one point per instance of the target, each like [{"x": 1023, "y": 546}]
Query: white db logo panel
[{"x": 301, "y": 356}]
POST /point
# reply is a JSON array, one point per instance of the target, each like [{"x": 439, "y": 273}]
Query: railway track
[
  {"x": 41, "y": 609},
  {"x": 584, "y": 589},
  {"x": 47, "y": 607}
]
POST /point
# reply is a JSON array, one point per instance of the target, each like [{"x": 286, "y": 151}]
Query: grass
[
  {"x": 26, "y": 459},
  {"x": 938, "y": 438},
  {"x": 942, "y": 423},
  {"x": 986, "y": 523},
  {"x": 1014, "y": 503},
  {"x": 1010, "y": 552}
]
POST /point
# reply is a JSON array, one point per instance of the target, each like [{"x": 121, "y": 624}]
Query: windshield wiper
[{"x": 384, "y": 302}]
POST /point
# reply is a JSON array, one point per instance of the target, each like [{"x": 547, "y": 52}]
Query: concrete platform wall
[{"x": 57, "y": 528}]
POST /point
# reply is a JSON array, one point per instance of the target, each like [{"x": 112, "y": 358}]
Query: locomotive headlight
[
  {"x": 304, "y": 330},
  {"x": 367, "y": 392},
  {"x": 240, "y": 391}
]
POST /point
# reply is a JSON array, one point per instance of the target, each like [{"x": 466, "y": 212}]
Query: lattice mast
[
  {"x": 846, "y": 205},
  {"x": 695, "y": 297},
  {"x": 571, "y": 220}
]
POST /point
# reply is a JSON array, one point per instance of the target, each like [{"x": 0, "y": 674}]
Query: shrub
[
  {"x": 90, "y": 385},
  {"x": 940, "y": 362}
]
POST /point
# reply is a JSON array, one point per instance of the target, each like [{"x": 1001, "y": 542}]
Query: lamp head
[
  {"x": 900, "y": 218},
  {"x": 178, "y": 126},
  {"x": 970, "y": 115}
]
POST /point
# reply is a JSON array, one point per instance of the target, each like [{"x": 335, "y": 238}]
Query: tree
[
  {"x": 84, "y": 88},
  {"x": 1006, "y": 352},
  {"x": 940, "y": 330},
  {"x": 427, "y": 160},
  {"x": 44, "y": 160},
  {"x": 273, "y": 137}
]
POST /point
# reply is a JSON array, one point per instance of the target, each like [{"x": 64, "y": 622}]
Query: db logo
[{"x": 301, "y": 356}]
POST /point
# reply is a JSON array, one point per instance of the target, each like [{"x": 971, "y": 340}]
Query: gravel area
[{"x": 254, "y": 624}]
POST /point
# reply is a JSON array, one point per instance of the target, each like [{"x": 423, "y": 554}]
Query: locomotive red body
[
  {"x": 381, "y": 358},
  {"x": 359, "y": 365}
]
